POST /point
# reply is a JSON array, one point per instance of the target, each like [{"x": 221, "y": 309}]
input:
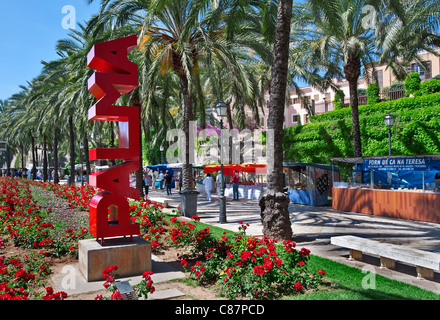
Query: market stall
[
  {"x": 162, "y": 168},
  {"x": 175, "y": 169},
  {"x": 251, "y": 179},
  {"x": 310, "y": 183},
  {"x": 395, "y": 186}
]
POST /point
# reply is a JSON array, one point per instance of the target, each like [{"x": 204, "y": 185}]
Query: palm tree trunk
[
  {"x": 200, "y": 101},
  {"x": 112, "y": 139},
  {"x": 136, "y": 101},
  {"x": 56, "y": 178},
  {"x": 44, "y": 158},
  {"x": 72, "y": 150},
  {"x": 8, "y": 161},
  {"x": 275, "y": 204},
  {"x": 352, "y": 70},
  {"x": 34, "y": 164},
  {"x": 229, "y": 117},
  {"x": 22, "y": 157},
  {"x": 187, "y": 169},
  {"x": 86, "y": 154}
]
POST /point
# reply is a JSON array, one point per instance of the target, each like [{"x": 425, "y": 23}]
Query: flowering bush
[
  {"x": 142, "y": 289},
  {"x": 185, "y": 235},
  {"x": 17, "y": 280},
  {"x": 149, "y": 216},
  {"x": 78, "y": 197},
  {"x": 256, "y": 268},
  {"x": 26, "y": 222}
]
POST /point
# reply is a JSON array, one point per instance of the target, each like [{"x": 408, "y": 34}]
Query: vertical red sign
[{"x": 115, "y": 75}]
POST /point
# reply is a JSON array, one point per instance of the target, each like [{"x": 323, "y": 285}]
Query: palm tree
[
  {"x": 403, "y": 37},
  {"x": 175, "y": 35},
  {"x": 340, "y": 32},
  {"x": 274, "y": 204},
  {"x": 334, "y": 31}
]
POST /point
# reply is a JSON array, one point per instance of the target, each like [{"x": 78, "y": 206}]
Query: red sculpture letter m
[{"x": 109, "y": 211}]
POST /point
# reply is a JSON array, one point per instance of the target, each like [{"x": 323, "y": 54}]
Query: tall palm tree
[
  {"x": 174, "y": 35},
  {"x": 402, "y": 37},
  {"x": 341, "y": 32},
  {"x": 274, "y": 203},
  {"x": 334, "y": 31}
]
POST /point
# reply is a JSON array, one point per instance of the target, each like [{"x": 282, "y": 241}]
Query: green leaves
[{"x": 416, "y": 131}]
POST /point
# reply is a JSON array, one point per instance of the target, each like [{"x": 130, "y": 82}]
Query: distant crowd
[{"x": 26, "y": 173}]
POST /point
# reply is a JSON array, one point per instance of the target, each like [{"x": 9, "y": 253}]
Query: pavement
[{"x": 312, "y": 227}]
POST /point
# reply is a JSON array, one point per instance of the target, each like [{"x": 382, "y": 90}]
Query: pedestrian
[
  {"x": 160, "y": 177},
  {"x": 235, "y": 184},
  {"x": 168, "y": 178},
  {"x": 219, "y": 182},
  {"x": 208, "y": 182},
  {"x": 148, "y": 182}
]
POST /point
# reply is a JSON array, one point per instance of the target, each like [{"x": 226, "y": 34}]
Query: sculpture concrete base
[{"x": 131, "y": 257}]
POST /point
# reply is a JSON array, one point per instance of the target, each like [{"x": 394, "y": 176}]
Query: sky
[{"x": 29, "y": 31}]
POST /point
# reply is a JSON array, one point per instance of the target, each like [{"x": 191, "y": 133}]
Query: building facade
[{"x": 297, "y": 112}]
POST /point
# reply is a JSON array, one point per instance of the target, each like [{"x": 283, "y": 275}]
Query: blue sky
[{"x": 29, "y": 31}]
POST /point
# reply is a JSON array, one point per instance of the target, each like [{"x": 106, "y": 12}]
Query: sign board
[
  {"x": 398, "y": 164},
  {"x": 3, "y": 145}
]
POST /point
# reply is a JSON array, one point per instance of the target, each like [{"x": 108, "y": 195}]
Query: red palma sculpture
[{"x": 109, "y": 210}]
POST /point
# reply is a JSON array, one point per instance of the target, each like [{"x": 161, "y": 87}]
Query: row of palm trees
[{"x": 193, "y": 53}]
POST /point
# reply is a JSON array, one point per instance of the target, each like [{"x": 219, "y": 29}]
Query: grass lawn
[{"x": 347, "y": 282}]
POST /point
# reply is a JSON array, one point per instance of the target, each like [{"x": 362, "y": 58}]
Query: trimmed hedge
[
  {"x": 373, "y": 92},
  {"x": 416, "y": 131}
]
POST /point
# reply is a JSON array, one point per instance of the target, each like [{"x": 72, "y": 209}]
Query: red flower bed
[{"x": 78, "y": 197}]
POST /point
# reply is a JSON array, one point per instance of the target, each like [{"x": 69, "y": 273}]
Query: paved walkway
[{"x": 313, "y": 227}]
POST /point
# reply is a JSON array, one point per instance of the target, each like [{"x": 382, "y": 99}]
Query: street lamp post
[
  {"x": 81, "y": 146},
  {"x": 389, "y": 122},
  {"x": 221, "y": 109},
  {"x": 162, "y": 148}
]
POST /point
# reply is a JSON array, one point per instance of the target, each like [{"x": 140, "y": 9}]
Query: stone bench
[
  {"x": 425, "y": 262},
  {"x": 165, "y": 202}
]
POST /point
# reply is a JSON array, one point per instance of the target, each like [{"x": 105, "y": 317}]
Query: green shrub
[
  {"x": 412, "y": 84},
  {"x": 373, "y": 92},
  {"x": 436, "y": 77},
  {"x": 362, "y": 92},
  {"x": 339, "y": 99},
  {"x": 431, "y": 86},
  {"x": 416, "y": 131},
  {"x": 397, "y": 86}
]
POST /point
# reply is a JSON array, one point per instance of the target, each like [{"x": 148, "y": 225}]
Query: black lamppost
[
  {"x": 389, "y": 122},
  {"x": 162, "y": 148},
  {"x": 221, "y": 109}
]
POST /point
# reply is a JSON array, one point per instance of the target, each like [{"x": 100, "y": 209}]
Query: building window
[
  {"x": 425, "y": 73},
  {"x": 378, "y": 78},
  {"x": 294, "y": 118},
  {"x": 316, "y": 97}
]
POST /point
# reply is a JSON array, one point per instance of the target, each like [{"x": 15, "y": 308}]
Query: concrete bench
[
  {"x": 163, "y": 201},
  {"x": 425, "y": 262}
]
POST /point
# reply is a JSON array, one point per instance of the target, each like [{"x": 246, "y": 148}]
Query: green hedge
[
  {"x": 373, "y": 92},
  {"x": 416, "y": 131}
]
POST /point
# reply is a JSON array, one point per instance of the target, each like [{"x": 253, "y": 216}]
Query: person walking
[
  {"x": 147, "y": 183},
  {"x": 208, "y": 182},
  {"x": 161, "y": 177},
  {"x": 168, "y": 179},
  {"x": 219, "y": 182},
  {"x": 235, "y": 183}
]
